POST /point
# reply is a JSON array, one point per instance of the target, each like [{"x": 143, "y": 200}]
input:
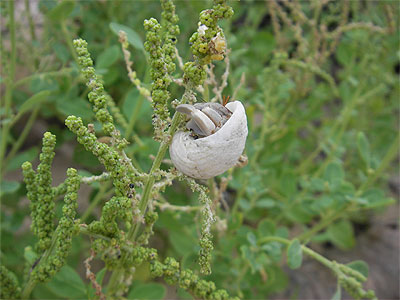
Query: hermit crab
[{"x": 215, "y": 140}]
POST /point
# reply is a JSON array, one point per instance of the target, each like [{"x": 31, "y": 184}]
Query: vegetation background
[{"x": 320, "y": 83}]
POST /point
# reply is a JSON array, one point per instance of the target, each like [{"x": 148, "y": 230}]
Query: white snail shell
[{"x": 212, "y": 155}]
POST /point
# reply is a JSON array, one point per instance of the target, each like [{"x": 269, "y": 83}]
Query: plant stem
[
  {"x": 31, "y": 284},
  {"x": 156, "y": 165},
  {"x": 44, "y": 74},
  {"x": 21, "y": 137},
  {"x": 30, "y": 19},
  {"x": 389, "y": 156},
  {"x": 115, "y": 276},
  {"x": 9, "y": 82},
  {"x": 68, "y": 40},
  {"x": 326, "y": 262},
  {"x": 325, "y": 222},
  {"x": 133, "y": 118},
  {"x": 96, "y": 200}
]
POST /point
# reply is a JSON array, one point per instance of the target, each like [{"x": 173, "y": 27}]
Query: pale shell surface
[{"x": 212, "y": 155}]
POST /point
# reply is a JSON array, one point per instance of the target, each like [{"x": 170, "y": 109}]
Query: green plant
[{"x": 315, "y": 164}]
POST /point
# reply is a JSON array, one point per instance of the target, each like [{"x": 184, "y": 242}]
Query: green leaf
[
  {"x": 42, "y": 292},
  {"x": 360, "y": 266},
  {"x": 334, "y": 173},
  {"x": 317, "y": 185},
  {"x": 61, "y": 11},
  {"x": 133, "y": 38},
  {"x": 265, "y": 203},
  {"x": 273, "y": 250},
  {"x": 182, "y": 294},
  {"x": 299, "y": 213},
  {"x": 108, "y": 57},
  {"x": 289, "y": 184},
  {"x": 283, "y": 232},
  {"x": 148, "y": 291},
  {"x": 67, "y": 282},
  {"x": 235, "y": 221},
  {"x": 363, "y": 148},
  {"x": 266, "y": 228},
  {"x": 33, "y": 101},
  {"x": 30, "y": 255},
  {"x": 74, "y": 106},
  {"x": 61, "y": 52},
  {"x": 245, "y": 204},
  {"x": 28, "y": 155},
  {"x": 84, "y": 158},
  {"x": 294, "y": 254},
  {"x": 8, "y": 187},
  {"x": 341, "y": 234},
  {"x": 252, "y": 238},
  {"x": 251, "y": 258},
  {"x": 182, "y": 243},
  {"x": 130, "y": 102}
]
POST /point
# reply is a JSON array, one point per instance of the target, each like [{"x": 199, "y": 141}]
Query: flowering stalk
[
  {"x": 9, "y": 284},
  {"x": 350, "y": 279},
  {"x": 55, "y": 255},
  {"x": 40, "y": 193},
  {"x": 160, "y": 44},
  {"x": 169, "y": 270}
]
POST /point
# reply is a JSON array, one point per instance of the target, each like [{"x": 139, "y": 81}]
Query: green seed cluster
[
  {"x": 108, "y": 156},
  {"x": 121, "y": 205},
  {"x": 351, "y": 281},
  {"x": 9, "y": 284},
  {"x": 66, "y": 228},
  {"x": 149, "y": 219},
  {"x": 160, "y": 44},
  {"x": 116, "y": 207},
  {"x": 122, "y": 253},
  {"x": 123, "y": 39},
  {"x": 116, "y": 112},
  {"x": 194, "y": 73},
  {"x": 59, "y": 190},
  {"x": 159, "y": 74},
  {"x": 40, "y": 193},
  {"x": 169, "y": 21},
  {"x": 169, "y": 270},
  {"x": 97, "y": 95},
  {"x": 208, "y": 42},
  {"x": 186, "y": 279},
  {"x": 206, "y": 245}
]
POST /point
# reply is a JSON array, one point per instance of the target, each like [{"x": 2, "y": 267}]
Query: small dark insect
[
  {"x": 35, "y": 264},
  {"x": 131, "y": 185}
]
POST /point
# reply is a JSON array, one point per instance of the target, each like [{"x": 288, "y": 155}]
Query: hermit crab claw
[
  {"x": 185, "y": 109},
  {"x": 200, "y": 122}
]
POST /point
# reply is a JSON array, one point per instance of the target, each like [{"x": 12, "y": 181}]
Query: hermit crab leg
[
  {"x": 202, "y": 121},
  {"x": 193, "y": 126},
  {"x": 214, "y": 116}
]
